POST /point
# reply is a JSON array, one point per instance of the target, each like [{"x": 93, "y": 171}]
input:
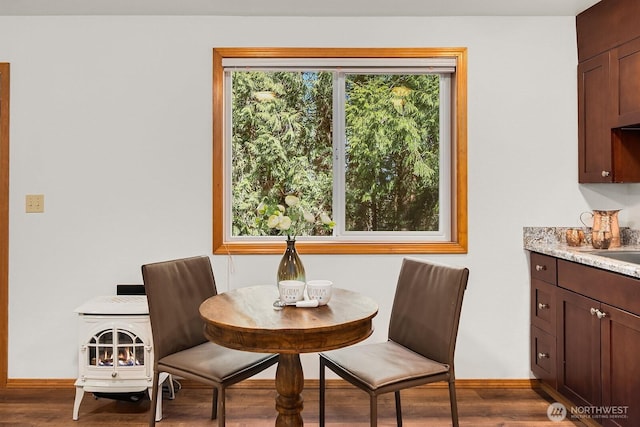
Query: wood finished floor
[{"x": 250, "y": 407}]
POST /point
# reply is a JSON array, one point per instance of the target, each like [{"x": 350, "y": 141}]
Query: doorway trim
[{"x": 4, "y": 223}]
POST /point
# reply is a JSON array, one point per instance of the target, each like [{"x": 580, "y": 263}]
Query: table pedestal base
[
  {"x": 244, "y": 319},
  {"x": 289, "y": 384}
]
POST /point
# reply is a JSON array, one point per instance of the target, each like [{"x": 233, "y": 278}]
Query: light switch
[{"x": 35, "y": 203}]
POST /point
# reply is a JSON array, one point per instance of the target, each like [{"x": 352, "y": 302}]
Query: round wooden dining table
[{"x": 244, "y": 319}]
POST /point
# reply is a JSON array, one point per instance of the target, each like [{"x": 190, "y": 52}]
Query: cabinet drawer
[
  {"x": 543, "y": 268},
  {"x": 606, "y": 286},
  {"x": 543, "y": 306},
  {"x": 543, "y": 356}
]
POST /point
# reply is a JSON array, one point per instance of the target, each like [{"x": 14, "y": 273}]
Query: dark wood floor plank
[{"x": 249, "y": 407}]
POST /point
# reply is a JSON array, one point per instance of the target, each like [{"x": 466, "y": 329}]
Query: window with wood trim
[{"x": 372, "y": 141}]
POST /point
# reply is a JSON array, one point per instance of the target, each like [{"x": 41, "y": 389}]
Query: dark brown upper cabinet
[
  {"x": 625, "y": 76},
  {"x": 608, "y": 37}
]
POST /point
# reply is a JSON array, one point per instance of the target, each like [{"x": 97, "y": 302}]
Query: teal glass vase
[{"x": 291, "y": 267}]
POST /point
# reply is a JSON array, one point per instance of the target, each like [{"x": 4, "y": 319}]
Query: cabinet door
[
  {"x": 625, "y": 69},
  {"x": 578, "y": 348},
  {"x": 621, "y": 366},
  {"x": 625, "y": 91},
  {"x": 594, "y": 130}
]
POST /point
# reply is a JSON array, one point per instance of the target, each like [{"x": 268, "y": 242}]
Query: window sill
[{"x": 333, "y": 247}]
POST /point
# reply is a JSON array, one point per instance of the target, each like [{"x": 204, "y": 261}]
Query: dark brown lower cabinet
[
  {"x": 594, "y": 343},
  {"x": 579, "y": 349},
  {"x": 599, "y": 359},
  {"x": 620, "y": 358}
]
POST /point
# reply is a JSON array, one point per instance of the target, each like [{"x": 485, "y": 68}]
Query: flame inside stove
[
  {"x": 105, "y": 359},
  {"x": 126, "y": 357},
  {"x": 116, "y": 348}
]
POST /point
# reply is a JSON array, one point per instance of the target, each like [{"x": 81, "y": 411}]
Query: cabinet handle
[
  {"x": 540, "y": 267},
  {"x": 114, "y": 374},
  {"x": 593, "y": 311},
  {"x": 543, "y": 355},
  {"x": 596, "y": 312},
  {"x": 542, "y": 306},
  {"x": 605, "y": 174}
]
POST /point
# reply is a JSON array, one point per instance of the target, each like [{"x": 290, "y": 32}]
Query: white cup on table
[
  {"x": 291, "y": 290},
  {"x": 320, "y": 290}
]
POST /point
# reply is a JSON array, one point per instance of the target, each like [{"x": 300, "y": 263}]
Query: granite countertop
[{"x": 551, "y": 241}]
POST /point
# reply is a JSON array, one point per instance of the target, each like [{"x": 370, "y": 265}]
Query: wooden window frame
[{"x": 458, "y": 244}]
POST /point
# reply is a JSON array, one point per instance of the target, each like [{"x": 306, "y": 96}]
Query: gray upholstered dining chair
[
  {"x": 175, "y": 289},
  {"x": 422, "y": 336}
]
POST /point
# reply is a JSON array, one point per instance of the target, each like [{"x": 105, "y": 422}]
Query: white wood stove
[{"x": 115, "y": 354}]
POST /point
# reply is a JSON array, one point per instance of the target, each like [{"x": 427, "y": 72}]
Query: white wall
[{"x": 111, "y": 120}]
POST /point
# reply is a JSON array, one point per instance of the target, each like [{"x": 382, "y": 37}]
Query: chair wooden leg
[
  {"x": 172, "y": 388},
  {"x": 322, "y": 392},
  {"x": 398, "y": 409},
  {"x": 373, "y": 410},
  {"x": 154, "y": 402},
  {"x": 221, "y": 407},
  {"x": 214, "y": 404},
  {"x": 454, "y": 403}
]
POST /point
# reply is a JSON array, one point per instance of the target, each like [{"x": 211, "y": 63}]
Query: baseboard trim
[
  {"x": 488, "y": 383},
  {"x": 460, "y": 384},
  {"x": 38, "y": 383}
]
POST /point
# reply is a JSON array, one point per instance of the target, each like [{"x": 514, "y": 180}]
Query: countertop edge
[{"x": 548, "y": 241}]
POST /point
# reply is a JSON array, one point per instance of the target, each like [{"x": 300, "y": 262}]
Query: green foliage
[
  {"x": 392, "y": 153},
  {"x": 282, "y": 145}
]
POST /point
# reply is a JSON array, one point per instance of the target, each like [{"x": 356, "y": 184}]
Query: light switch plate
[{"x": 35, "y": 203}]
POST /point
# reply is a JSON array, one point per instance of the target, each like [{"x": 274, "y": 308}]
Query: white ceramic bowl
[
  {"x": 320, "y": 290},
  {"x": 291, "y": 290}
]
